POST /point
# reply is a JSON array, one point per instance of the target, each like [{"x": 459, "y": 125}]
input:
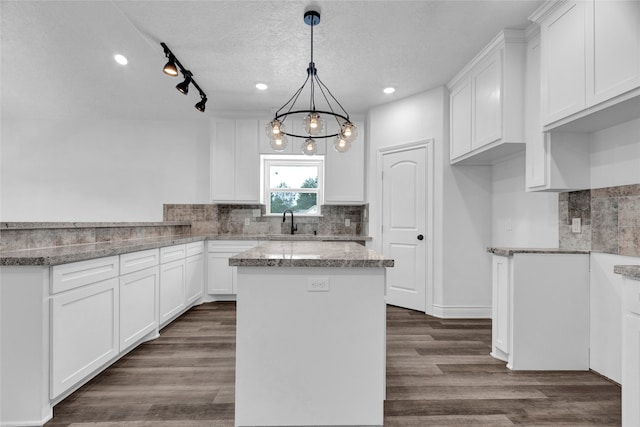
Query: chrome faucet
[{"x": 284, "y": 218}]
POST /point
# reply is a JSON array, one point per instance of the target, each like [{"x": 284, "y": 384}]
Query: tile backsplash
[
  {"x": 232, "y": 219},
  {"x": 610, "y": 219}
]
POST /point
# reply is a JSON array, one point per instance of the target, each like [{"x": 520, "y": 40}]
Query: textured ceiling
[{"x": 57, "y": 56}]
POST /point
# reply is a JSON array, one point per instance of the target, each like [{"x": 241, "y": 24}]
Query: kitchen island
[{"x": 310, "y": 334}]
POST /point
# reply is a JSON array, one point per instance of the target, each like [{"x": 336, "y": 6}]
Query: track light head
[
  {"x": 200, "y": 105},
  {"x": 184, "y": 86},
  {"x": 170, "y": 68}
]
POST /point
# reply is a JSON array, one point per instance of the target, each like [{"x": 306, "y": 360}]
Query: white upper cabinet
[
  {"x": 235, "y": 161},
  {"x": 486, "y": 102},
  {"x": 613, "y": 49},
  {"x": 590, "y": 57},
  {"x": 563, "y": 61},
  {"x": 344, "y": 172},
  {"x": 555, "y": 161}
]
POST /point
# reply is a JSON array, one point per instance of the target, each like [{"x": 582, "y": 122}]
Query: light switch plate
[
  {"x": 347, "y": 222},
  {"x": 256, "y": 213},
  {"x": 576, "y": 225},
  {"x": 318, "y": 284}
]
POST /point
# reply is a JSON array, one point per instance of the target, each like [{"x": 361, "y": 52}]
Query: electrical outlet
[
  {"x": 247, "y": 221},
  {"x": 576, "y": 225},
  {"x": 347, "y": 222},
  {"x": 317, "y": 284}
]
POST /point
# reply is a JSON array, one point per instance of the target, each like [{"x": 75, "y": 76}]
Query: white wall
[
  {"x": 615, "y": 155},
  {"x": 521, "y": 219},
  {"x": 462, "y": 199},
  {"x": 101, "y": 170}
]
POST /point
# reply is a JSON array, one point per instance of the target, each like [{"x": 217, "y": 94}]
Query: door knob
[{"x": 420, "y": 237}]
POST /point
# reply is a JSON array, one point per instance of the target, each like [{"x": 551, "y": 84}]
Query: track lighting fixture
[
  {"x": 200, "y": 105},
  {"x": 183, "y": 87},
  {"x": 171, "y": 69}
]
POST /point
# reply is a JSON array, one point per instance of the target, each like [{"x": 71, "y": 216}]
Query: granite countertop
[
  {"x": 510, "y": 251},
  {"x": 309, "y": 254},
  {"x": 57, "y": 225},
  {"x": 631, "y": 271},
  {"x": 80, "y": 252},
  {"x": 72, "y": 253},
  {"x": 295, "y": 237}
]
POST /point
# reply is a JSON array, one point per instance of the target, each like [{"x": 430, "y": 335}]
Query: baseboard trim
[{"x": 462, "y": 311}]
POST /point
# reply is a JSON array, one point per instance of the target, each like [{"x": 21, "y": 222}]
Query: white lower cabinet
[
  {"x": 138, "y": 305},
  {"x": 84, "y": 332},
  {"x": 172, "y": 289},
  {"x": 194, "y": 272},
  {"x": 541, "y": 311},
  {"x": 631, "y": 353},
  {"x": 221, "y": 278}
]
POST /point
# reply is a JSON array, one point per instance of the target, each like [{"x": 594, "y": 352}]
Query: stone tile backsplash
[
  {"x": 610, "y": 219},
  {"x": 230, "y": 219}
]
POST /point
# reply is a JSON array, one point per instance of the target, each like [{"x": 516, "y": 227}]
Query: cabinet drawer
[
  {"x": 172, "y": 253},
  {"x": 136, "y": 261},
  {"x": 632, "y": 296},
  {"x": 195, "y": 248},
  {"x": 70, "y": 276},
  {"x": 231, "y": 246}
]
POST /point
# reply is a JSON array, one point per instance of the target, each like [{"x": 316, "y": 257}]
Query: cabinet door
[
  {"x": 631, "y": 370},
  {"x": 138, "y": 305},
  {"x": 84, "y": 332},
  {"x": 344, "y": 172},
  {"x": 172, "y": 289},
  {"x": 247, "y": 162},
  {"x": 220, "y": 274},
  {"x": 563, "y": 61},
  {"x": 460, "y": 127},
  {"x": 222, "y": 160},
  {"x": 613, "y": 49},
  {"x": 487, "y": 105},
  {"x": 501, "y": 304},
  {"x": 195, "y": 277}
]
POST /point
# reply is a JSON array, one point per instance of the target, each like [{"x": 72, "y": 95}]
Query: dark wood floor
[{"x": 439, "y": 373}]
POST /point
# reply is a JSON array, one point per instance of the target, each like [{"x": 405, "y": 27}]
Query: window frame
[{"x": 269, "y": 160}]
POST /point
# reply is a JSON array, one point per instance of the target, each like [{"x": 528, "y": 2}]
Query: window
[{"x": 293, "y": 182}]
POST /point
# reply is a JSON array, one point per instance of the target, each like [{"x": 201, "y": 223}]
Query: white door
[{"x": 406, "y": 231}]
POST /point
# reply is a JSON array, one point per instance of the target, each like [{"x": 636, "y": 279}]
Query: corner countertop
[
  {"x": 71, "y": 253},
  {"x": 510, "y": 251},
  {"x": 309, "y": 254},
  {"x": 630, "y": 271}
]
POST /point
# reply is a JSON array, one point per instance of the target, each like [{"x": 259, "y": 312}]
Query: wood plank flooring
[{"x": 439, "y": 373}]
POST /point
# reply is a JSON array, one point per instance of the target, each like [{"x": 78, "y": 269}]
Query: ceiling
[{"x": 57, "y": 56}]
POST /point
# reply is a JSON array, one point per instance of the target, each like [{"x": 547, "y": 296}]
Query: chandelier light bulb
[
  {"x": 279, "y": 143},
  {"x": 309, "y": 147},
  {"x": 274, "y": 129},
  {"x": 341, "y": 145},
  {"x": 313, "y": 124},
  {"x": 349, "y": 131}
]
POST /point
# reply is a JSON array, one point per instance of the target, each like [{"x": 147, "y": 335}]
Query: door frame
[{"x": 428, "y": 145}]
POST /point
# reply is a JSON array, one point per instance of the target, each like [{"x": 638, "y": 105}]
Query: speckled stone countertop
[
  {"x": 630, "y": 271},
  {"x": 72, "y": 253},
  {"x": 295, "y": 237},
  {"x": 57, "y": 225},
  {"x": 511, "y": 251},
  {"x": 80, "y": 252},
  {"x": 309, "y": 254}
]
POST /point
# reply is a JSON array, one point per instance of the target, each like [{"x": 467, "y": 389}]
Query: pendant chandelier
[{"x": 314, "y": 120}]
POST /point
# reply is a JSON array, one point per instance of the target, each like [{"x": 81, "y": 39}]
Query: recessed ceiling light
[
  {"x": 389, "y": 90},
  {"x": 120, "y": 59},
  {"x": 261, "y": 86}
]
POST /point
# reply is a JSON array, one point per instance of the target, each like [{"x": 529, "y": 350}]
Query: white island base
[{"x": 310, "y": 346}]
